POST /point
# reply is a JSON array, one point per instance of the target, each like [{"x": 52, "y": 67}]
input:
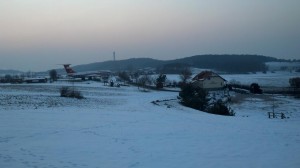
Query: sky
[{"x": 39, "y": 35}]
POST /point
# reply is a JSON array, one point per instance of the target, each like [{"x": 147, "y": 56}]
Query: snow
[
  {"x": 120, "y": 127},
  {"x": 277, "y": 79},
  {"x": 277, "y": 66}
]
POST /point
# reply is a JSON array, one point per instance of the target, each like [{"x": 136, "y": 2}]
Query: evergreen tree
[
  {"x": 194, "y": 97},
  {"x": 160, "y": 81}
]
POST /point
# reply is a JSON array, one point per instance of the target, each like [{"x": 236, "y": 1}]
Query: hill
[
  {"x": 225, "y": 63},
  {"x": 128, "y": 64},
  {"x": 228, "y": 63},
  {"x": 4, "y": 72}
]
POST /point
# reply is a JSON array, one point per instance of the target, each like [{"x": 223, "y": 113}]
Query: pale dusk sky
[{"x": 37, "y": 35}]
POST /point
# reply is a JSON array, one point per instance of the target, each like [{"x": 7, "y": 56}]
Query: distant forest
[
  {"x": 228, "y": 63},
  {"x": 224, "y": 63}
]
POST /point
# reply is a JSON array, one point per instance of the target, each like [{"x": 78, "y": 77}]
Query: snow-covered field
[
  {"x": 276, "y": 79},
  {"x": 120, "y": 128}
]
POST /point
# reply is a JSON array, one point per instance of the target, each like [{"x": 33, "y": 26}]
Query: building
[
  {"x": 209, "y": 80},
  {"x": 35, "y": 80}
]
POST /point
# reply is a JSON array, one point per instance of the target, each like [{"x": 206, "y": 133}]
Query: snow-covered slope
[
  {"x": 277, "y": 79},
  {"x": 120, "y": 127}
]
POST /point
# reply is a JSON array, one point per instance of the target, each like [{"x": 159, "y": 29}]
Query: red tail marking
[{"x": 68, "y": 69}]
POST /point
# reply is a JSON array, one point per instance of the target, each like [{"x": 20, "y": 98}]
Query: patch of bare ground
[{"x": 239, "y": 98}]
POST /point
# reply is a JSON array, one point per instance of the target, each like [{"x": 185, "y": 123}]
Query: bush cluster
[
  {"x": 255, "y": 88},
  {"x": 67, "y": 92},
  {"x": 197, "y": 98},
  {"x": 221, "y": 109},
  {"x": 295, "y": 82}
]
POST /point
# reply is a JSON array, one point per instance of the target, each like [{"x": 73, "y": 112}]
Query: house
[
  {"x": 35, "y": 80},
  {"x": 209, "y": 80}
]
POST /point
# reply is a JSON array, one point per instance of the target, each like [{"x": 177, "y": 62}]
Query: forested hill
[
  {"x": 226, "y": 63},
  {"x": 121, "y": 65}
]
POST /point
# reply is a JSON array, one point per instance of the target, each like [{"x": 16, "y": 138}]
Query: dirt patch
[{"x": 239, "y": 98}]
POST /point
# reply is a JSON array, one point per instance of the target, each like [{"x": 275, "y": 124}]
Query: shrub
[
  {"x": 67, "y": 92},
  {"x": 194, "y": 97},
  {"x": 255, "y": 88},
  {"x": 295, "y": 82},
  {"x": 221, "y": 109}
]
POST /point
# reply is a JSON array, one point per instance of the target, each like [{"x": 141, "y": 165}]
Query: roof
[{"x": 206, "y": 75}]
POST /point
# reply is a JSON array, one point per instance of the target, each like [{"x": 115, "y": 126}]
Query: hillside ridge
[{"x": 226, "y": 62}]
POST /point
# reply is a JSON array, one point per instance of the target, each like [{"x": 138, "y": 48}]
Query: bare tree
[
  {"x": 144, "y": 81},
  {"x": 136, "y": 76},
  {"x": 53, "y": 75},
  {"x": 185, "y": 74},
  {"x": 124, "y": 76}
]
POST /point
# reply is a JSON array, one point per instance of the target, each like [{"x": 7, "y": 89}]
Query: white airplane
[{"x": 87, "y": 74}]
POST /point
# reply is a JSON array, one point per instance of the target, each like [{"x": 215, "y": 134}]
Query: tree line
[{"x": 226, "y": 63}]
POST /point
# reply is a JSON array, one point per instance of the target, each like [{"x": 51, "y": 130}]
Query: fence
[{"x": 275, "y": 115}]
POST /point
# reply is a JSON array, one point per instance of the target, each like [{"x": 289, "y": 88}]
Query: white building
[{"x": 209, "y": 80}]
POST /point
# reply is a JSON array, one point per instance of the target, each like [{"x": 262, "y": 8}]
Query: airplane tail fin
[{"x": 68, "y": 69}]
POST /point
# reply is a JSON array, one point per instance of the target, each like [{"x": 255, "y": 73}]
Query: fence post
[{"x": 282, "y": 116}]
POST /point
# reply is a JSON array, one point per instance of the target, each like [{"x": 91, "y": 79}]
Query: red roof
[{"x": 205, "y": 75}]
